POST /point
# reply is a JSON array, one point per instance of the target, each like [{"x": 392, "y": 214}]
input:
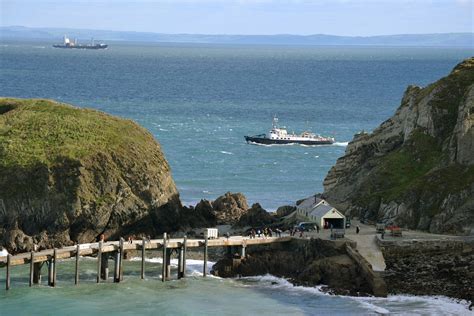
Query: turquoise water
[
  {"x": 195, "y": 295},
  {"x": 199, "y": 101}
]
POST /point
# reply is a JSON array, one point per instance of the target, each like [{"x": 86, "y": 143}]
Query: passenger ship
[{"x": 279, "y": 135}]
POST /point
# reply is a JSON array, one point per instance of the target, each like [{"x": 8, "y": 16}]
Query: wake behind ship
[
  {"x": 69, "y": 44},
  {"x": 279, "y": 135}
]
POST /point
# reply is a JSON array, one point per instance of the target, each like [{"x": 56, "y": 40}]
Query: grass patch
[{"x": 42, "y": 131}]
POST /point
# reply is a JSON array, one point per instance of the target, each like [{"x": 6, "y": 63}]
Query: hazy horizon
[
  {"x": 231, "y": 34},
  {"x": 246, "y": 17}
]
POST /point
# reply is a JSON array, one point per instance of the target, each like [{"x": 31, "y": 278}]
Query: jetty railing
[{"x": 116, "y": 249}]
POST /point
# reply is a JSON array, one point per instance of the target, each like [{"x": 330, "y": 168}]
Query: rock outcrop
[
  {"x": 303, "y": 262},
  {"x": 69, "y": 174},
  {"x": 444, "y": 267},
  {"x": 417, "y": 168},
  {"x": 256, "y": 216},
  {"x": 229, "y": 208}
]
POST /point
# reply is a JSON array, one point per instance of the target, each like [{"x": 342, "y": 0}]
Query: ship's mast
[{"x": 275, "y": 121}]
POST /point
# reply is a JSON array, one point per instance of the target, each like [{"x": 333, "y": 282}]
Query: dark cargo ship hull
[
  {"x": 82, "y": 46},
  {"x": 268, "y": 141}
]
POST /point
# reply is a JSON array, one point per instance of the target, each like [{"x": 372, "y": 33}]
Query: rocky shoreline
[
  {"x": 306, "y": 262},
  {"x": 435, "y": 267}
]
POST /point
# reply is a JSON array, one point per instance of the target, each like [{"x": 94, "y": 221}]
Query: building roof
[
  {"x": 309, "y": 202},
  {"x": 320, "y": 210}
]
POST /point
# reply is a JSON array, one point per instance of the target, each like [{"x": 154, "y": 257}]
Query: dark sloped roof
[{"x": 320, "y": 210}]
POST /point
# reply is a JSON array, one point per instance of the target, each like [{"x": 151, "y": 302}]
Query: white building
[{"x": 321, "y": 212}]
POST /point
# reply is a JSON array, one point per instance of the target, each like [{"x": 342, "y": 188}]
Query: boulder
[
  {"x": 256, "y": 216},
  {"x": 229, "y": 208}
]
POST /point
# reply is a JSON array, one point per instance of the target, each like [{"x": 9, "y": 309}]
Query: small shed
[{"x": 327, "y": 216}]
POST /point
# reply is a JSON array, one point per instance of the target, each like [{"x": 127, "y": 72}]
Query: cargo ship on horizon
[{"x": 69, "y": 44}]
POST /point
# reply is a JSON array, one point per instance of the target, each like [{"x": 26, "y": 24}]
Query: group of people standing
[{"x": 264, "y": 232}]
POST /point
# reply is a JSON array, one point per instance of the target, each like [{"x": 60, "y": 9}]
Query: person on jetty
[{"x": 357, "y": 229}]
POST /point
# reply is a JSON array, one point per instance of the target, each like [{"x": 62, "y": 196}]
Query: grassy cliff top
[{"x": 41, "y": 131}]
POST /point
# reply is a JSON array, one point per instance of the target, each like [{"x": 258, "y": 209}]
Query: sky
[{"x": 335, "y": 17}]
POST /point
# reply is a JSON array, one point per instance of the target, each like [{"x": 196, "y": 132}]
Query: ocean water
[
  {"x": 195, "y": 295},
  {"x": 199, "y": 101}
]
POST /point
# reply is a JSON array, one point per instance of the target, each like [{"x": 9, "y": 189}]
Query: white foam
[
  {"x": 226, "y": 152},
  {"x": 193, "y": 267},
  {"x": 415, "y": 305},
  {"x": 341, "y": 144},
  {"x": 396, "y": 304}
]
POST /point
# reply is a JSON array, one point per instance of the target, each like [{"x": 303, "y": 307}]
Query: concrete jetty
[{"x": 116, "y": 250}]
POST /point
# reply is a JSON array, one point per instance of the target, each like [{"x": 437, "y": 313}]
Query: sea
[{"x": 199, "y": 101}]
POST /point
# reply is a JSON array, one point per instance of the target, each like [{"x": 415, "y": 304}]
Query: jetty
[{"x": 115, "y": 250}]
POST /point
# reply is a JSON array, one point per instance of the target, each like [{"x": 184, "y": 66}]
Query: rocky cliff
[
  {"x": 306, "y": 262},
  {"x": 417, "y": 168},
  {"x": 70, "y": 174}
]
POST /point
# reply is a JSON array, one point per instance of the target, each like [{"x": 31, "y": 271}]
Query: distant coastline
[{"x": 423, "y": 40}]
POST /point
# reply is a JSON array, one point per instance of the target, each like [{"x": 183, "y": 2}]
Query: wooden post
[
  {"x": 116, "y": 266},
  {"x": 76, "y": 275},
  {"x": 50, "y": 271},
  {"x": 104, "y": 267},
  {"x": 204, "y": 269},
  {"x": 37, "y": 272},
  {"x": 55, "y": 266},
  {"x": 122, "y": 256},
  {"x": 99, "y": 261},
  {"x": 185, "y": 249},
  {"x": 7, "y": 281},
  {"x": 180, "y": 261},
  {"x": 242, "y": 251},
  {"x": 32, "y": 267},
  {"x": 163, "y": 270},
  {"x": 143, "y": 258},
  {"x": 169, "y": 251}
]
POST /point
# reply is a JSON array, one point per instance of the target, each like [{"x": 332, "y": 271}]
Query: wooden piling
[
  {"x": 104, "y": 267},
  {"x": 7, "y": 280},
  {"x": 50, "y": 271},
  {"x": 32, "y": 267},
  {"x": 122, "y": 256},
  {"x": 180, "y": 261},
  {"x": 37, "y": 272},
  {"x": 169, "y": 252},
  {"x": 185, "y": 249},
  {"x": 76, "y": 275},
  {"x": 242, "y": 251},
  {"x": 163, "y": 270},
  {"x": 116, "y": 267},
  {"x": 55, "y": 266},
  {"x": 204, "y": 269},
  {"x": 99, "y": 261},
  {"x": 142, "y": 274}
]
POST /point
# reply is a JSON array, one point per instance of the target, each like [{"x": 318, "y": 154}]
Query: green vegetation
[
  {"x": 401, "y": 169},
  {"x": 448, "y": 94},
  {"x": 34, "y": 132}
]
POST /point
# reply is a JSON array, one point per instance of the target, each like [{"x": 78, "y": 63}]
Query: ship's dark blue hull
[
  {"x": 268, "y": 141},
  {"x": 103, "y": 46}
]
